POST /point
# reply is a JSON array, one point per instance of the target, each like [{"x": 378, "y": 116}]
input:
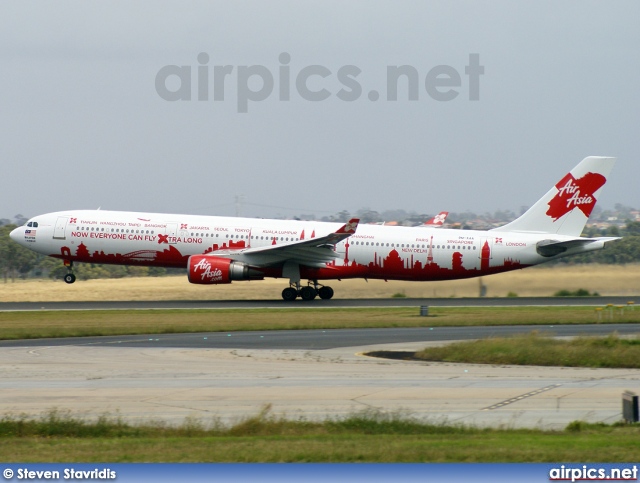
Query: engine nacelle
[{"x": 206, "y": 270}]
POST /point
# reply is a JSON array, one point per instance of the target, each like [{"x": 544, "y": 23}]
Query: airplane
[
  {"x": 437, "y": 221},
  {"x": 219, "y": 250}
]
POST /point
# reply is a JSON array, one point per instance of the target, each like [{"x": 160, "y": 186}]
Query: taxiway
[{"x": 309, "y": 374}]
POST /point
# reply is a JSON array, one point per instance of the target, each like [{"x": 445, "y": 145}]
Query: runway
[
  {"x": 308, "y": 374},
  {"x": 317, "y": 303}
]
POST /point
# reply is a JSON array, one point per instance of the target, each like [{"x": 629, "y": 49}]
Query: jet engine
[{"x": 207, "y": 270}]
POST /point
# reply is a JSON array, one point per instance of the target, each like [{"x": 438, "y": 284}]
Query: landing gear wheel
[
  {"x": 325, "y": 293},
  {"x": 69, "y": 278},
  {"x": 308, "y": 293},
  {"x": 289, "y": 294}
]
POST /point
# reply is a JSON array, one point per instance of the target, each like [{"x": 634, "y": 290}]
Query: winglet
[{"x": 349, "y": 227}]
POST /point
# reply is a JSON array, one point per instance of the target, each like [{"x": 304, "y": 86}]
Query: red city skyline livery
[{"x": 219, "y": 250}]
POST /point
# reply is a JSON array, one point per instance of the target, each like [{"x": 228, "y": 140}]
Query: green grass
[
  {"x": 44, "y": 324},
  {"x": 536, "y": 350},
  {"x": 362, "y": 437}
]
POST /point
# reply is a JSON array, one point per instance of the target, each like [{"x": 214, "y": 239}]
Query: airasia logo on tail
[
  {"x": 575, "y": 193},
  {"x": 439, "y": 219}
]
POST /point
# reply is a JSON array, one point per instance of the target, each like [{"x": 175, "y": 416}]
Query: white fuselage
[{"x": 373, "y": 251}]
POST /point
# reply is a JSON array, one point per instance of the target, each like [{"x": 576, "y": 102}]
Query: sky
[{"x": 510, "y": 96}]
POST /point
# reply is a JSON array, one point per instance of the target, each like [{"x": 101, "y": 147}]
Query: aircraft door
[
  {"x": 172, "y": 233},
  {"x": 59, "y": 231}
]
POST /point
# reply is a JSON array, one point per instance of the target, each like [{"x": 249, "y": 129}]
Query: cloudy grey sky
[{"x": 82, "y": 125}]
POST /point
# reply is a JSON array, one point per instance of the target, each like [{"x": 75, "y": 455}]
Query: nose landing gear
[{"x": 70, "y": 277}]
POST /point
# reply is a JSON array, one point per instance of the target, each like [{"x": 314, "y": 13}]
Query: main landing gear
[
  {"x": 309, "y": 292},
  {"x": 70, "y": 277}
]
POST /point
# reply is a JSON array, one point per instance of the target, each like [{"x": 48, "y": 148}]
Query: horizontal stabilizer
[{"x": 551, "y": 248}]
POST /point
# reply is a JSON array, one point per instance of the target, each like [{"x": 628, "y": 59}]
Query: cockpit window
[
  {"x": 30, "y": 223},
  {"x": 35, "y": 224}
]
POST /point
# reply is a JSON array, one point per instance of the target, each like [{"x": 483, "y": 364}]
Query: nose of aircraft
[{"x": 16, "y": 233}]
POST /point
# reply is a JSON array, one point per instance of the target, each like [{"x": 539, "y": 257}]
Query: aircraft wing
[
  {"x": 549, "y": 248},
  {"x": 314, "y": 252}
]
